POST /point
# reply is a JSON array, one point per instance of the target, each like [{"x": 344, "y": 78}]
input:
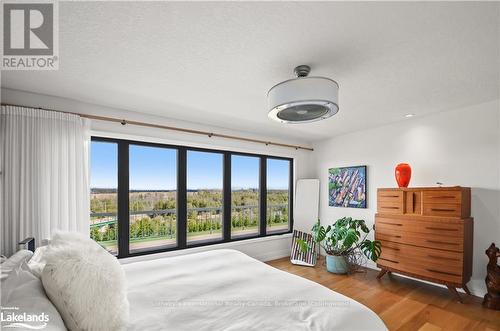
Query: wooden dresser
[{"x": 426, "y": 233}]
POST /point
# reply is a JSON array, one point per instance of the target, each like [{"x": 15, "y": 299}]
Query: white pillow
[
  {"x": 14, "y": 262},
  {"x": 37, "y": 261},
  {"x": 23, "y": 296},
  {"x": 85, "y": 283}
]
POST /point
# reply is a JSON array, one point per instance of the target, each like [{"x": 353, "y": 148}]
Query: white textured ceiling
[{"x": 214, "y": 62}]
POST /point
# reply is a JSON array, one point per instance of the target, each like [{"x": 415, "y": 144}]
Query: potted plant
[{"x": 342, "y": 242}]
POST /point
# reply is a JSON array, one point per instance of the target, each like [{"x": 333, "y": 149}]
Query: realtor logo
[
  {"x": 12, "y": 317},
  {"x": 30, "y": 35}
]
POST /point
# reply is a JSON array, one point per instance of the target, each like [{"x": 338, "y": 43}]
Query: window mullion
[
  {"x": 123, "y": 199},
  {"x": 263, "y": 196},
  {"x": 226, "y": 191},
  {"x": 181, "y": 198}
]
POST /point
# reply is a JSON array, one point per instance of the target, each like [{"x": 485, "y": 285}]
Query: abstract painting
[{"x": 347, "y": 187}]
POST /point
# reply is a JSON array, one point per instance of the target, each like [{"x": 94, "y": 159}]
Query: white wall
[
  {"x": 261, "y": 248},
  {"x": 460, "y": 147}
]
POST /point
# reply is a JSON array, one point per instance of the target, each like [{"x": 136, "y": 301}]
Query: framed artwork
[{"x": 347, "y": 187}]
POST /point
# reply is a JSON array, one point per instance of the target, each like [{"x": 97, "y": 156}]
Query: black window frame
[
  {"x": 290, "y": 189},
  {"x": 230, "y": 191},
  {"x": 123, "y": 212}
]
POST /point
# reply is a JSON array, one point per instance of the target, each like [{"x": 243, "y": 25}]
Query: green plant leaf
[
  {"x": 321, "y": 234},
  {"x": 342, "y": 223},
  {"x": 371, "y": 249},
  {"x": 304, "y": 246},
  {"x": 350, "y": 238},
  {"x": 362, "y": 225}
]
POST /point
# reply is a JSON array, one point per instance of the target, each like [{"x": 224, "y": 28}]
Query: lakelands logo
[
  {"x": 30, "y": 35},
  {"x": 10, "y": 318}
]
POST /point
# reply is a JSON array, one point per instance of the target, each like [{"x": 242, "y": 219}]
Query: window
[
  {"x": 152, "y": 197},
  {"x": 148, "y": 197},
  {"x": 103, "y": 194},
  {"x": 245, "y": 195},
  {"x": 204, "y": 196},
  {"x": 278, "y": 195}
]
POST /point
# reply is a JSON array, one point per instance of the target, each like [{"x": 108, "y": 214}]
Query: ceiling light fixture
[
  {"x": 303, "y": 99},
  {"x": 409, "y": 115}
]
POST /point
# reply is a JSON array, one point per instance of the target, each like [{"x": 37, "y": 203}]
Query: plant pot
[{"x": 336, "y": 264}]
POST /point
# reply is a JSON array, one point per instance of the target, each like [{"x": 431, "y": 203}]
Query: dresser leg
[
  {"x": 381, "y": 273},
  {"x": 466, "y": 289},
  {"x": 453, "y": 291}
]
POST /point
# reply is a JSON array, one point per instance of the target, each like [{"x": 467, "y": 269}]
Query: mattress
[{"x": 228, "y": 290}]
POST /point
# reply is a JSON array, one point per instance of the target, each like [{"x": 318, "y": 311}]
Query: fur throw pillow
[{"x": 85, "y": 283}]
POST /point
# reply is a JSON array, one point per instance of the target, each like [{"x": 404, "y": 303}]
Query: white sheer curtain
[{"x": 44, "y": 174}]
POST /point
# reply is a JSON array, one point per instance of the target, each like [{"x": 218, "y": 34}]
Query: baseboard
[
  {"x": 477, "y": 287},
  {"x": 273, "y": 255}
]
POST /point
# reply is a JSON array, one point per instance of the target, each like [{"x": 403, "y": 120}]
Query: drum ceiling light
[{"x": 303, "y": 99}]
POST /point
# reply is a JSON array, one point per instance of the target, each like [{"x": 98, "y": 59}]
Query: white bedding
[{"x": 228, "y": 290}]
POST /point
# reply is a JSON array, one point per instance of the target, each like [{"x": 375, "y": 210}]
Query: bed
[
  {"x": 77, "y": 285},
  {"x": 228, "y": 290}
]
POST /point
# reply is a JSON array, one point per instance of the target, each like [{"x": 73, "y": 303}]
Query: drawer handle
[
  {"x": 441, "y": 229},
  {"x": 395, "y": 224},
  {"x": 394, "y": 249},
  {"x": 388, "y": 260},
  {"x": 441, "y": 242},
  {"x": 383, "y": 207},
  {"x": 442, "y": 209},
  {"x": 443, "y": 272},
  {"x": 389, "y": 235},
  {"x": 441, "y": 257},
  {"x": 442, "y": 197},
  {"x": 389, "y": 196}
]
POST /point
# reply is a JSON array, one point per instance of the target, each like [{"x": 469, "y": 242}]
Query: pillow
[
  {"x": 14, "y": 262},
  {"x": 85, "y": 283},
  {"x": 37, "y": 261},
  {"x": 23, "y": 297}
]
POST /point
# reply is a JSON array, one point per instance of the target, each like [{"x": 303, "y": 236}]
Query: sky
[{"x": 153, "y": 168}]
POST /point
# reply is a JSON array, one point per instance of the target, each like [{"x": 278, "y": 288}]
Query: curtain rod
[{"x": 171, "y": 128}]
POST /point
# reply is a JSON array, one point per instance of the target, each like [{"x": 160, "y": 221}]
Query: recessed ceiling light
[{"x": 409, "y": 115}]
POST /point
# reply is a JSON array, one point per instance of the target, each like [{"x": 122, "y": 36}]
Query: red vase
[{"x": 403, "y": 174}]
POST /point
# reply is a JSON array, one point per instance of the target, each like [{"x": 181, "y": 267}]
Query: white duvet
[{"x": 228, "y": 290}]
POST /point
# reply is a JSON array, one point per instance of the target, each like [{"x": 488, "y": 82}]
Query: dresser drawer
[
  {"x": 442, "y": 196},
  {"x": 449, "y": 229},
  {"x": 390, "y": 202},
  {"x": 443, "y": 260},
  {"x": 420, "y": 239},
  {"x": 442, "y": 209},
  {"x": 422, "y": 262},
  {"x": 422, "y": 271}
]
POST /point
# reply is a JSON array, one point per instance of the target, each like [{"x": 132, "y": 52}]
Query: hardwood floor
[{"x": 403, "y": 304}]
